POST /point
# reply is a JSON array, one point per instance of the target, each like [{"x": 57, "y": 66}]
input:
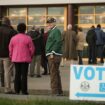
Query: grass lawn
[{"x": 4, "y": 101}]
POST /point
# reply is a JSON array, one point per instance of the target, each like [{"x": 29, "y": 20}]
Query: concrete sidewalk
[{"x": 41, "y": 86}]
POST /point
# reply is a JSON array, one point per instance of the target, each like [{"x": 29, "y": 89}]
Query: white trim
[
  {"x": 56, "y": 53},
  {"x": 54, "y": 27},
  {"x": 48, "y": 54}
]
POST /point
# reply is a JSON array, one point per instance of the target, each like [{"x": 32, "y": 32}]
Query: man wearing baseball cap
[{"x": 54, "y": 53}]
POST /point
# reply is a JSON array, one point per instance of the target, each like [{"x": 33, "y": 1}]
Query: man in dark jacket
[
  {"x": 39, "y": 47},
  {"x": 99, "y": 43},
  {"x": 91, "y": 40},
  {"x": 6, "y": 33}
]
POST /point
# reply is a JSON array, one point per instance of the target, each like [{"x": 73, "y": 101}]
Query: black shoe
[
  {"x": 59, "y": 94},
  {"x": 101, "y": 61},
  {"x": 10, "y": 92},
  {"x": 89, "y": 62},
  {"x": 32, "y": 75},
  {"x": 38, "y": 76},
  {"x": 26, "y": 93},
  {"x": 44, "y": 73},
  {"x": 16, "y": 93},
  {"x": 2, "y": 85}
]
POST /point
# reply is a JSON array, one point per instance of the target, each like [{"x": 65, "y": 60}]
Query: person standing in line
[
  {"x": 21, "y": 51},
  {"x": 63, "y": 57},
  {"x": 75, "y": 28},
  {"x": 54, "y": 53},
  {"x": 80, "y": 44},
  {"x": 6, "y": 33},
  {"x": 99, "y": 43},
  {"x": 44, "y": 61},
  {"x": 91, "y": 40},
  {"x": 37, "y": 39},
  {"x": 70, "y": 40}
]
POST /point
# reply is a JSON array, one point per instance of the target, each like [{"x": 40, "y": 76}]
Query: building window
[
  {"x": 100, "y": 9},
  {"x": 86, "y": 10},
  {"x": 91, "y": 15},
  {"x": 17, "y": 15},
  {"x": 55, "y": 10},
  {"x": 38, "y": 16},
  {"x": 58, "y": 14},
  {"x": 87, "y": 19},
  {"x": 100, "y": 19}
]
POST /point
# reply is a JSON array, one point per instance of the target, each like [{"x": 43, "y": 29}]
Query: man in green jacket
[{"x": 54, "y": 53}]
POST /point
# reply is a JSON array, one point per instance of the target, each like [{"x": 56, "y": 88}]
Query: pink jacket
[{"x": 21, "y": 48}]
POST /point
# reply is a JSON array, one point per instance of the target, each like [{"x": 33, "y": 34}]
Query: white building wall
[
  {"x": 40, "y": 2},
  {"x": 87, "y": 1},
  {"x": 32, "y": 2}
]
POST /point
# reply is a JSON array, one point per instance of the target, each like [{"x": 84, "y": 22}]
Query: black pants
[
  {"x": 100, "y": 53},
  {"x": 92, "y": 54},
  {"x": 80, "y": 56},
  {"x": 21, "y": 72},
  {"x": 2, "y": 73}
]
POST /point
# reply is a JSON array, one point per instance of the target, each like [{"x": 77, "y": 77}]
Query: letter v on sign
[{"x": 77, "y": 72}]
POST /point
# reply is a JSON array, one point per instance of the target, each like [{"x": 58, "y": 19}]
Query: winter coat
[
  {"x": 21, "y": 48},
  {"x": 54, "y": 42},
  {"x": 70, "y": 41},
  {"x": 91, "y": 37},
  {"x": 63, "y": 40},
  {"x": 99, "y": 34},
  {"x": 80, "y": 41},
  {"x": 37, "y": 39},
  {"x": 6, "y": 33}
]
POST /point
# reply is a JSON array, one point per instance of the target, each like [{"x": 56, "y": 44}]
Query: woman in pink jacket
[{"x": 21, "y": 51}]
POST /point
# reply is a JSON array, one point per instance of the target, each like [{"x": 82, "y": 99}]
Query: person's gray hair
[
  {"x": 69, "y": 26},
  {"x": 6, "y": 21}
]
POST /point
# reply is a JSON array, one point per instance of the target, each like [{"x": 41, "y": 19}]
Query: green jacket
[{"x": 54, "y": 42}]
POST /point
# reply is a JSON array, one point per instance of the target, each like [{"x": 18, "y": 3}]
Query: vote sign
[{"x": 87, "y": 82}]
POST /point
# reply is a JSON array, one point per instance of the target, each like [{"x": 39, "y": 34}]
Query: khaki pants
[
  {"x": 35, "y": 65},
  {"x": 7, "y": 73},
  {"x": 54, "y": 64}
]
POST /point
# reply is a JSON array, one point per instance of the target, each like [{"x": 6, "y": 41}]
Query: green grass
[{"x": 45, "y": 102}]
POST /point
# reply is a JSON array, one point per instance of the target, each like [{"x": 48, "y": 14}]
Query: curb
[{"x": 38, "y": 92}]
